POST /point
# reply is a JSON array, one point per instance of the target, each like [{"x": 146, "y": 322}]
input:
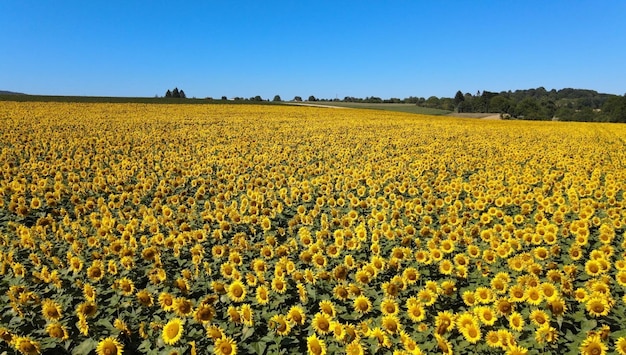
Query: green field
[{"x": 409, "y": 108}]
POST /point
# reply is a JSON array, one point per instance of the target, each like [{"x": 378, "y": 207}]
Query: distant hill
[{"x": 4, "y": 92}]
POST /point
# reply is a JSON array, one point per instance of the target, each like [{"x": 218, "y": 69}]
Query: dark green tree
[
  {"x": 458, "y": 98},
  {"x": 168, "y": 93},
  {"x": 277, "y": 98},
  {"x": 176, "y": 93}
]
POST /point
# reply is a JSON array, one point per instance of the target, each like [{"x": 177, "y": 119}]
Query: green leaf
[
  {"x": 246, "y": 333},
  {"x": 85, "y": 347},
  {"x": 259, "y": 347}
]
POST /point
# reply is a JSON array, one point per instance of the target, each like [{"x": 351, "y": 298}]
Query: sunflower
[
  {"x": 593, "y": 345},
  {"x": 327, "y": 306},
  {"x": 597, "y": 306},
  {"x": 237, "y": 291},
  {"x": 26, "y": 346},
  {"x": 247, "y": 316},
  {"x": 539, "y": 317},
  {"x": 214, "y": 332},
  {"x": 391, "y": 324},
  {"x": 125, "y": 285},
  {"x": 389, "y": 307},
  {"x": 444, "y": 322},
  {"x": 57, "y": 331},
  {"x": 183, "y": 307},
  {"x": 225, "y": 346},
  {"x": 362, "y": 304},
  {"x": 620, "y": 345},
  {"x": 341, "y": 292},
  {"x": 145, "y": 298},
  {"x": 471, "y": 333},
  {"x": 465, "y": 320},
  {"x": 279, "y": 285},
  {"x": 410, "y": 275},
  {"x": 96, "y": 271},
  {"x": 262, "y": 295},
  {"x": 296, "y": 315},
  {"x": 516, "y": 350},
  {"x": 234, "y": 315},
  {"x": 109, "y": 346},
  {"x": 546, "y": 334},
  {"x": 89, "y": 292},
  {"x": 493, "y": 339},
  {"x": 51, "y": 310},
  {"x": 172, "y": 331},
  {"x": 416, "y": 312},
  {"x": 315, "y": 345},
  {"x": 444, "y": 345},
  {"x": 486, "y": 315},
  {"x": 321, "y": 323},
  {"x": 166, "y": 301},
  {"x": 355, "y": 348},
  {"x": 533, "y": 295},
  {"x": 557, "y": 306},
  {"x": 516, "y": 321},
  {"x": 86, "y": 310},
  {"x": 204, "y": 313}
]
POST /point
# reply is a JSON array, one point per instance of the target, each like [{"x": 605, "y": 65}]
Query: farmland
[{"x": 232, "y": 229}]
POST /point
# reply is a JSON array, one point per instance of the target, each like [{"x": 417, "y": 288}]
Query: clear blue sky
[{"x": 321, "y": 48}]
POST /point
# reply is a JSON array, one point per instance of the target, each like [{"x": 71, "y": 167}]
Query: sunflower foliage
[{"x": 132, "y": 228}]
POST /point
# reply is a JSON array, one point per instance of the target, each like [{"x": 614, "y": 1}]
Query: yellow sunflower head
[
  {"x": 172, "y": 331},
  {"x": 109, "y": 346}
]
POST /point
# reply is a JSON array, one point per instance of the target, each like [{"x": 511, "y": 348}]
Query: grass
[{"x": 409, "y": 108}]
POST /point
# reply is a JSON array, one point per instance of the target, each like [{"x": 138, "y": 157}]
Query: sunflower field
[{"x": 243, "y": 229}]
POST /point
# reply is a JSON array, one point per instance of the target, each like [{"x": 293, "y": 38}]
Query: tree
[
  {"x": 168, "y": 93},
  {"x": 224, "y": 98},
  {"x": 312, "y": 98},
  {"x": 176, "y": 93},
  {"x": 458, "y": 98},
  {"x": 181, "y": 94},
  {"x": 297, "y": 98},
  {"x": 277, "y": 98}
]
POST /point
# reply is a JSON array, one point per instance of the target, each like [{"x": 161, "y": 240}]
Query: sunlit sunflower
[
  {"x": 214, "y": 332},
  {"x": 57, "y": 331},
  {"x": 516, "y": 321},
  {"x": 51, "y": 310},
  {"x": 391, "y": 324},
  {"x": 247, "y": 315},
  {"x": 620, "y": 345},
  {"x": 280, "y": 324},
  {"x": 315, "y": 345},
  {"x": 262, "y": 295},
  {"x": 225, "y": 346},
  {"x": 362, "y": 304},
  {"x": 172, "y": 331},
  {"x": 593, "y": 345},
  {"x": 204, "y": 313},
  {"x": 145, "y": 298},
  {"x": 539, "y": 317},
  {"x": 321, "y": 323},
  {"x": 166, "y": 301},
  {"x": 237, "y": 291},
  {"x": 327, "y": 307},
  {"x": 279, "y": 285},
  {"x": 416, "y": 312},
  {"x": 86, "y": 310},
  {"x": 296, "y": 315},
  {"x": 355, "y": 348},
  {"x": 26, "y": 345},
  {"x": 597, "y": 306},
  {"x": 444, "y": 322},
  {"x": 109, "y": 346},
  {"x": 471, "y": 333}
]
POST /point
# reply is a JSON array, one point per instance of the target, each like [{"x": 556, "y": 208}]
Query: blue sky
[{"x": 323, "y": 48}]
